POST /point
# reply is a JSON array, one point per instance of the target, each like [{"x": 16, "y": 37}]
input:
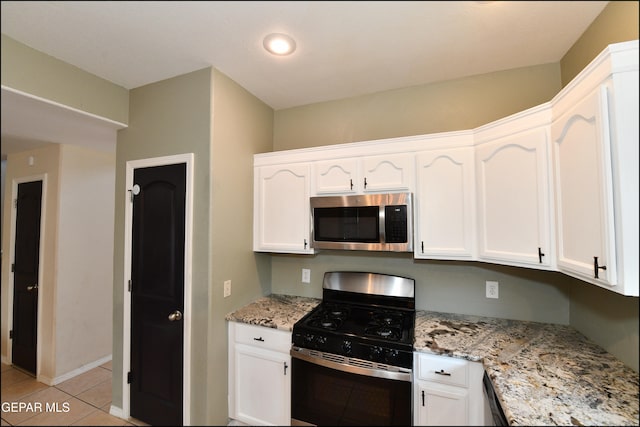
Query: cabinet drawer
[
  {"x": 443, "y": 369},
  {"x": 260, "y": 336}
]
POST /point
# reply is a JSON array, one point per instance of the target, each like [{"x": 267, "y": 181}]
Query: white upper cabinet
[
  {"x": 364, "y": 174},
  {"x": 445, "y": 204},
  {"x": 338, "y": 176},
  {"x": 583, "y": 190},
  {"x": 554, "y": 187},
  {"x": 281, "y": 208},
  {"x": 595, "y": 149},
  {"x": 393, "y": 172},
  {"x": 513, "y": 189}
]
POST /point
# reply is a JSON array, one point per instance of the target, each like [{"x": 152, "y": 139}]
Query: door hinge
[
  {"x": 13, "y": 267},
  {"x": 129, "y": 285},
  {"x": 11, "y": 334},
  {"x": 129, "y": 377},
  {"x": 15, "y": 203}
]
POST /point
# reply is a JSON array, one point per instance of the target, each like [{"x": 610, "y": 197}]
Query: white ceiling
[{"x": 344, "y": 48}]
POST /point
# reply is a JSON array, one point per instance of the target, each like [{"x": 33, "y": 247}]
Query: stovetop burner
[{"x": 362, "y": 315}]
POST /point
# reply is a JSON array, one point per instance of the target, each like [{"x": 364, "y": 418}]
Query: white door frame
[
  {"x": 188, "y": 224},
  {"x": 12, "y": 255}
]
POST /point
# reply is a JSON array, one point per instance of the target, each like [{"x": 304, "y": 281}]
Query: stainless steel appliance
[
  {"x": 372, "y": 222},
  {"x": 495, "y": 412},
  {"x": 352, "y": 356}
]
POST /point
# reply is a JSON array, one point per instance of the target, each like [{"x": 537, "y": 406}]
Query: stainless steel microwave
[{"x": 368, "y": 222}]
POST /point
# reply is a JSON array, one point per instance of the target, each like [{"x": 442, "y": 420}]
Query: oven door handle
[{"x": 399, "y": 374}]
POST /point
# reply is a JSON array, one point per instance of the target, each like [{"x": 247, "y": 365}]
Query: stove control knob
[
  {"x": 375, "y": 353},
  {"x": 347, "y": 347},
  {"x": 320, "y": 340},
  {"x": 308, "y": 339},
  {"x": 390, "y": 355}
]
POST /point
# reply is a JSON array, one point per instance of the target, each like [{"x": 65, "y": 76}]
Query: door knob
[
  {"x": 176, "y": 315},
  {"x": 32, "y": 287}
]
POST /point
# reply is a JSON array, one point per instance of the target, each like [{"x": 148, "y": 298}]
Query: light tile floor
[{"x": 83, "y": 400}]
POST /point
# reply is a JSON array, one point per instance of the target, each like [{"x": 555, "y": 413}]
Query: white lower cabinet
[
  {"x": 447, "y": 391},
  {"x": 259, "y": 375}
]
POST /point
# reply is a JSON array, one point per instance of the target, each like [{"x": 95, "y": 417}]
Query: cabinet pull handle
[
  {"x": 540, "y": 255},
  {"x": 422, "y": 397},
  {"x": 305, "y": 243},
  {"x": 442, "y": 372},
  {"x": 597, "y": 267},
  {"x": 422, "y": 246},
  {"x": 285, "y": 368},
  {"x": 365, "y": 182},
  {"x": 259, "y": 339},
  {"x": 351, "y": 183}
]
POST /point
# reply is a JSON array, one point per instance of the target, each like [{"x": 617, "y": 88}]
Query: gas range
[{"x": 365, "y": 316}]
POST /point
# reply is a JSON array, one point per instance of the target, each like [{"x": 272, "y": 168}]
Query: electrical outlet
[
  {"x": 492, "y": 289},
  {"x": 306, "y": 275},
  {"x": 227, "y": 288}
]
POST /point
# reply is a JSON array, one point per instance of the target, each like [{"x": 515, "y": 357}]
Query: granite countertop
[
  {"x": 274, "y": 311},
  {"x": 543, "y": 374}
]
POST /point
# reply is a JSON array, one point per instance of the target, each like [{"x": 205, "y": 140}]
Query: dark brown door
[
  {"x": 157, "y": 294},
  {"x": 25, "y": 274}
]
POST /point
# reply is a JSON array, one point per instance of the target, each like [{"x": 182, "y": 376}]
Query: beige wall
[
  {"x": 28, "y": 70},
  {"x": 77, "y": 254},
  {"x": 83, "y": 321},
  {"x": 618, "y": 22},
  {"x": 459, "y": 105}
]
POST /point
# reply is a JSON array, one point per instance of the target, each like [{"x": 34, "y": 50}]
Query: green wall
[
  {"x": 242, "y": 126},
  {"x": 30, "y": 71},
  {"x": 168, "y": 118},
  {"x": 439, "y": 107}
]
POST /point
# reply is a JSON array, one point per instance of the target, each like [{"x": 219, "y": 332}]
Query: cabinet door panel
[
  {"x": 262, "y": 386},
  {"x": 443, "y": 406},
  {"x": 388, "y": 173},
  {"x": 583, "y": 190},
  {"x": 514, "y": 211},
  {"x": 336, "y": 176},
  {"x": 281, "y": 222},
  {"x": 445, "y": 204}
]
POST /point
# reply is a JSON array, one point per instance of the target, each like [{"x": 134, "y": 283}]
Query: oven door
[{"x": 324, "y": 392}]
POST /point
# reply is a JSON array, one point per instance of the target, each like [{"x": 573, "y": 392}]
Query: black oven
[
  {"x": 352, "y": 355},
  {"x": 329, "y": 393}
]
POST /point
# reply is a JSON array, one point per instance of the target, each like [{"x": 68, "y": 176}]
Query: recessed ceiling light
[{"x": 279, "y": 44}]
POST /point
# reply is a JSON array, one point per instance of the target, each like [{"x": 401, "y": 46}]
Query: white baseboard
[
  {"x": 75, "y": 372},
  {"x": 116, "y": 412},
  {"x": 5, "y": 360}
]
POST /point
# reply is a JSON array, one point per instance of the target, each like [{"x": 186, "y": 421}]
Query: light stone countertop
[
  {"x": 275, "y": 311},
  {"x": 543, "y": 374}
]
